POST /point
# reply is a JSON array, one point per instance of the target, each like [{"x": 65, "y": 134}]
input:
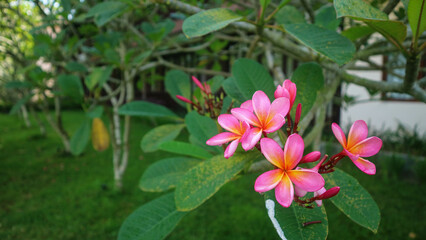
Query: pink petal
[
  {"x": 245, "y": 115},
  {"x": 261, "y": 105},
  {"x": 247, "y": 105},
  {"x": 339, "y": 134},
  {"x": 279, "y": 106},
  {"x": 307, "y": 180},
  {"x": 357, "y": 133},
  {"x": 284, "y": 192},
  {"x": 299, "y": 192},
  {"x": 229, "y": 122},
  {"x": 222, "y": 138},
  {"x": 293, "y": 151},
  {"x": 317, "y": 167},
  {"x": 272, "y": 152},
  {"x": 230, "y": 150},
  {"x": 367, "y": 147},
  {"x": 323, "y": 194},
  {"x": 250, "y": 138},
  {"x": 281, "y": 92},
  {"x": 311, "y": 157},
  {"x": 291, "y": 88},
  {"x": 274, "y": 124},
  {"x": 268, "y": 180},
  {"x": 365, "y": 166}
]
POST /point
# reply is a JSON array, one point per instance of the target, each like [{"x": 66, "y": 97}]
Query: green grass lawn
[{"x": 47, "y": 195}]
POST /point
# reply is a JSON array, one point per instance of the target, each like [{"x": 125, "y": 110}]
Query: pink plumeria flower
[
  {"x": 287, "y": 90},
  {"x": 266, "y": 118},
  {"x": 283, "y": 178},
  {"x": 236, "y": 131},
  {"x": 358, "y": 145}
]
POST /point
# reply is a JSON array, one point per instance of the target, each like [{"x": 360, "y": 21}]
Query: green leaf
[
  {"x": 288, "y": 222},
  {"x": 166, "y": 173},
  {"x": 71, "y": 86},
  {"x": 185, "y": 149},
  {"x": 353, "y": 200},
  {"x": 96, "y": 112},
  {"x": 231, "y": 89},
  {"x": 177, "y": 83},
  {"x": 326, "y": 18},
  {"x": 395, "y": 31},
  {"x": 309, "y": 80},
  {"x": 329, "y": 43},
  {"x": 208, "y": 21},
  {"x": 204, "y": 180},
  {"x": 80, "y": 138},
  {"x": 289, "y": 15},
  {"x": 226, "y": 104},
  {"x": 202, "y": 128},
  {"x": 156, "y": 136},
  {"x": 417, "y": 14},
  {"x": 250, "y": 76},
  {"x": 145, "y": 109},
  {"x": 98, "y": 76},
  {"x": 106, "y": 11},
  {"x": 358, "y": 9},
  {"x": 75, "y": 67},
  {"x": 157, "y": 32},
  {"x": 215, "y": 83},
  {"x": 18, "y": 85},
  {"x": 153, "y": 221},
  {"x": 356, "y": 32},
  {"x": 17, "y": 106},
  {"x": 141, "y": 57}
]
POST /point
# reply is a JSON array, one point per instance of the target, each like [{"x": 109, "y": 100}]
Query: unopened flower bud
[
  {"x": 184, "y": 99},
  {"x": 311, "y": 157},
  {"x": 298, "y": 113},
  {"x": 329, "y": 193},
  {"x": 198, "y": 83}
]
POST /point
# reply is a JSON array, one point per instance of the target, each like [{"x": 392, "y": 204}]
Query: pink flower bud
[
  {"x": 198, "y": 83},
  {"x": 311, "y": 157},
  {"x": 329, "y": 193},
  {"x": 184, "y": 99},
  {"x": 207, "y": 88},
  {"x": 298, "y": 113}
]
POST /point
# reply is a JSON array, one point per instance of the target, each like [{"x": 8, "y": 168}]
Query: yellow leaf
[{"x": 100, "y": 136}]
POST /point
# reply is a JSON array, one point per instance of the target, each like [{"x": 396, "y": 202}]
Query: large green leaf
[
  {"x": 104, "y": 12},
  {"x": 353, "y": 200},
  {"x": 417, "y": 16},
  {"x": 145, "y": 109},
  {"x": 185, "y": 149},
  {"x": 177, "y": 83},
  {"x": 288, "y": 222},
  {"x": 204, "y": 180},
  {"x": 309, "y": 80},
  {"x": 288, "y": 15},
  {"x": 326, "y": 18},
  {"x": 166, "y": 173},
  {"x": 358, "y": 9},
  {"x": 153, "y": 221},
  {"x": 156, "y": 136},
  {"x": 70, "y": 85},
  {"x": 231, "y": 89},
  {"x": 324, "y": 41},
  {"x": 202, "y": 128},
  {"x": 250, "y": 76},
  {"x": 80, "y": 138},
  {"x": 356, "y": 32},
  {"x": 395, "y": 31},
  {"x": 98, "y": 77},
  {"x": 208, "y": 21}
]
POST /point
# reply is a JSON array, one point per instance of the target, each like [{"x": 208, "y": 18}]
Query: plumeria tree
[{"x": 266, "y": 117}]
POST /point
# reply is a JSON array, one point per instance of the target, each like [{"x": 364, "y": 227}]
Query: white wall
[{"x": 378, "y": 114}]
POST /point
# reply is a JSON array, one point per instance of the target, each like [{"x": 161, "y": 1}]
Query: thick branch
[{"x": 390, "y": 6}]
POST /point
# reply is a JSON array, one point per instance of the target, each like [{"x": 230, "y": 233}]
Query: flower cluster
[{"x": 250, "y": 124}]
